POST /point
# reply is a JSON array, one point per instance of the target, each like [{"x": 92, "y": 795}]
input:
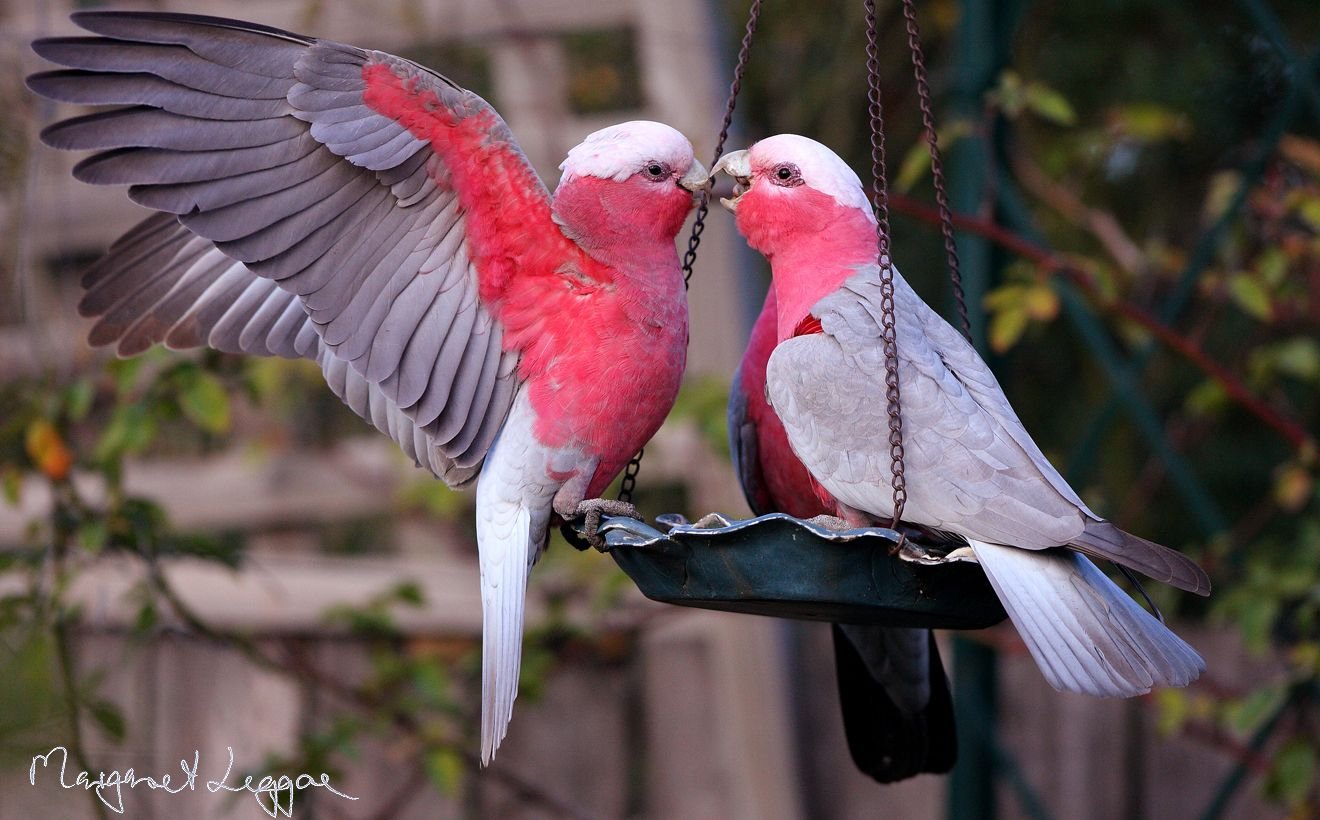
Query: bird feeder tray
[{"x": 784, "y": 567}]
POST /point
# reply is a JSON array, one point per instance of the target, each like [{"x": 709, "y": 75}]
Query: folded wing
[{"x": 971, "y": 468}]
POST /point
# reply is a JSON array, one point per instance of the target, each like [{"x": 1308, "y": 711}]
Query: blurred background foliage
[{"x": 1164, "y": 159}]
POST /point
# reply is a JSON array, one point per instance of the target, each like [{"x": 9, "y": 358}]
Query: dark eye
[
  {"x": 656, "y": 170},
  {"x": 786, "y": 175}
]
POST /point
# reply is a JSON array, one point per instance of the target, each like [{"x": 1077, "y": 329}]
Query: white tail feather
[
  {"x": 506, "y": 554},
  {"x": 1085, "y": 633}
]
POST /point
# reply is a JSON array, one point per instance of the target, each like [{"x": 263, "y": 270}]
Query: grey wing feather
[
  {"x": 209, "y": 299},
  {"x": 261, "y": 143}
]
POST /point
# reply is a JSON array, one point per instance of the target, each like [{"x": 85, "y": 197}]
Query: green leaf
[
  {"x": 1293, "y": 772},
  {"x": 1219, "y": 194},
  {"x": 78, "y": 398},
  {"x": 1308, "y": 208},
  {"x": 1040, "y": 302},
  {"x": 1147, "y": 122},
  {"x": 1174, "y": 709},
  {"x": 125, "y": 372},
  {"x": 1256, "y": 619},
  {"x": 1004, "y": 297},
  {"x": 147, "y": 618},
  {"x": 1298, "y": 357},
  {"x": 445, "y": 769},
  {"x": 93, "y": 534},
  {"x": 205, "y": 402},
  {"x": 1006, "y": 328},
  {"x": 1049, "y": 104},
  {"x": 410, "y": 593},
  {"x": 1250, "y": 295},
  {"x": 1246, "y": 715},
  {"x": 916, "y": 162},
  {"x": 109, "y": 718},
  {"x": 131, "y": 430},
  {"x": 1272, "y": 266},
  {"x": 1009, "y": 95},
  {"x": 1206, "y": 398},
  {"x": 11, "y": 480}
]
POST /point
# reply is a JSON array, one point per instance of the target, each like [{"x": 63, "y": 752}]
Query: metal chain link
[
  {"x": 880, "y": 199},
  {"x": 936, "y": 166},
  {"x": 703, "y": 205},
  {"x": 630, "y": 476}
]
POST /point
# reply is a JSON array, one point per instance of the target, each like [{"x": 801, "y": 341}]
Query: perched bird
[
  {"x": 325, "y": 201},
  {"x": 971, "y": 468},
  {"x": 893, "y": 695}
]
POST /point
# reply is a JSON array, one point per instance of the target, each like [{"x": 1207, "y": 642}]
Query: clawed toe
[{"x": 591, "y": 509}]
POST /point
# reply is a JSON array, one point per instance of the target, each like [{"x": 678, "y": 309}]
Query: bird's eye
[
  {"x": 656, "y": 170},
  {"x": 786, "y": 175}
]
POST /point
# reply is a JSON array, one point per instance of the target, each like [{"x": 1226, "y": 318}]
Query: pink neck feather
[{"x": 812, "y": 242}]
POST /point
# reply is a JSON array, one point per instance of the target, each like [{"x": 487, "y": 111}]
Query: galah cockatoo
[
  {"x": 971, "y": 467},
  {"x": 894, "y": 697},
  {"x": 345, "y": 205}
]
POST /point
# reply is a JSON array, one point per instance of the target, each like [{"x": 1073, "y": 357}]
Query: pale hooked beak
[
  {"x": 696, "y": 179},
  {"x": 739, "y": 166}
]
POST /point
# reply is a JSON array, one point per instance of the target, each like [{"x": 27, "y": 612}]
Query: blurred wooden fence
[{"x": 701, "y": 715}]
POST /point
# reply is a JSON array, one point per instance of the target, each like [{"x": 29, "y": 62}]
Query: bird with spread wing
[{"x": 344, "y": 205}]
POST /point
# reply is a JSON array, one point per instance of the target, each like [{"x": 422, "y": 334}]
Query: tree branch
[{"x": 1051, "y": 262}]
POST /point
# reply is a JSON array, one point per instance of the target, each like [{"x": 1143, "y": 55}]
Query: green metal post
[
  {"x": 975, "y": 692},
  {"x": 985, "y": 37}
]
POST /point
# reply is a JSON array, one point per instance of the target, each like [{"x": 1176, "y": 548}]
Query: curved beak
[
  {"x": 696, "y": 179},
  {"x": 737, "y": 165}
]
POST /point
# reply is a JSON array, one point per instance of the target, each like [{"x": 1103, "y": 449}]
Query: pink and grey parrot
[
  {"x": 897, "y": 710},
  {"x": 971, "y": 467},
  {"x": 325, "y": 201}
]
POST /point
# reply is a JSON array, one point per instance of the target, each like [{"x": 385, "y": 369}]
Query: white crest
[
  {"x": 621, "y": 150},
  {"x": 821, "y": 168}
]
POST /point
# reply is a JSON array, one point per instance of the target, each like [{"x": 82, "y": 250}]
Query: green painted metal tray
[{"x": 784, "y": 567}]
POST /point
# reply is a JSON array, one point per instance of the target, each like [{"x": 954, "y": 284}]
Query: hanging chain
[
  {"x": 630, "y": 476},
  {"x": 936, "y": 166},
  {"x": 703, "y": 206},
  {"x": 880, "y": 199}
]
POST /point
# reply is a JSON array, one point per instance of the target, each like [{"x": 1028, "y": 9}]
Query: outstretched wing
[
  {"x": 970, "y": 466},
  {"x": 376, "y": 210}
]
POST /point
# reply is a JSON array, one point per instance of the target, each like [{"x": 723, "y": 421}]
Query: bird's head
[
  {"x": 790, "y": 188},
  {"x": 635, "y": 180}
]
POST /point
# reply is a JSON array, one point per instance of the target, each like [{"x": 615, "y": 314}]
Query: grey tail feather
[
  {"x": 1102, "y": 539},
  {"x": 887, "y": 742},
  {"x": 1084, "y": 632}
]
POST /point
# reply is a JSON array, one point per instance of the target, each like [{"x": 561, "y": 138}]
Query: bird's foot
[
  {"x": 907, "y": 550},
  {"x": 591, "y": 509}
]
